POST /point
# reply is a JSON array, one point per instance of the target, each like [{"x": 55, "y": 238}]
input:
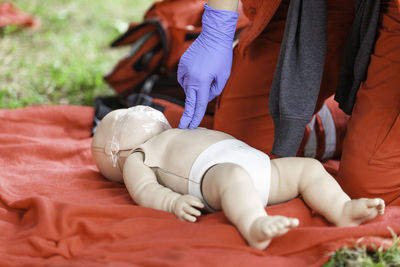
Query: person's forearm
[{"x": 230, "y": 5}]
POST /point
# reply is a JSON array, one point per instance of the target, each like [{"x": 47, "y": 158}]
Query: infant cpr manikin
[{"x": 187, "y": 172}]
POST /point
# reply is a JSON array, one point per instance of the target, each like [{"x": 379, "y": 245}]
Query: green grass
[
  {"x": 367, "y": 256},
  {"x": 63, "y": 62}
]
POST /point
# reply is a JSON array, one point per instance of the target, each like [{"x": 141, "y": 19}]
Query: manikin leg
[
  {"x": 228, "y": 187},
  {"x": 320, "y": 191}
]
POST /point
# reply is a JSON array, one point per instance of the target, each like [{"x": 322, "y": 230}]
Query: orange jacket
[{"x": 260, "y": 13}]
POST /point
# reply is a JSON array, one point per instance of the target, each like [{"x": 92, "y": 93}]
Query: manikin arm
[{"x": 143, "y": 187}]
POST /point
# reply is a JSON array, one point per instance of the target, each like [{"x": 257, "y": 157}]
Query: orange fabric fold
[{"x": 56, "y": 209}]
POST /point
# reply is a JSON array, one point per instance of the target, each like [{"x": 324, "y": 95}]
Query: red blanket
[{"x": 55, "y": 208}]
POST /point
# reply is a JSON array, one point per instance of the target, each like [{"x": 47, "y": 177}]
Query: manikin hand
[
  {"x": 205, "y": 67},
  {"x": 185, "y": 208}
]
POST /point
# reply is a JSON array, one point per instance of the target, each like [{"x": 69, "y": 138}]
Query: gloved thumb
[{"x": 217, "y": 87}]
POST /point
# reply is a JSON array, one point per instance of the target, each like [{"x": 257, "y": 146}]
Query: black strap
[
  {"x": 163, "y": 37},
  {"x": 142, "y": 64},
  {"x": 357, "y": 53}
]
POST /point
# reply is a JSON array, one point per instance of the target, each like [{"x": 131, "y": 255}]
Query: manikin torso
[{"x": 172, "y": 153}]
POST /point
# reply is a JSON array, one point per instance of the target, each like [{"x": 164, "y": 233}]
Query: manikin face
[{"x": 123, "y": 130}]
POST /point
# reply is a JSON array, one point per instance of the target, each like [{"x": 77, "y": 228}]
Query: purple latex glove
[{"x": 206, "y": 65}]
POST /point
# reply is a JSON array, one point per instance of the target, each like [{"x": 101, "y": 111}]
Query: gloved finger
[
  {"x": 213, "y": 91},
  {"x": 190, "y": 104},
  {"x": 201, "y": 105},
  {"x": 192, "y": 211},
  {"x": 181, "y": 73},
  {"x": 212, "y": 95}
]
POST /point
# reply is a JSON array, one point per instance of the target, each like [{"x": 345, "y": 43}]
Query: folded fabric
[{"x": 56, "y": 209}]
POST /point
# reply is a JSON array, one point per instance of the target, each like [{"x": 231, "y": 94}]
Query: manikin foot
[
  {"x": 265, "y": 228},
  {"x": 357, "y": 211}
]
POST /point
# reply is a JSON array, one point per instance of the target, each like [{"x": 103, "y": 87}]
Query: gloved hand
[{"x": 205, "y": 67}]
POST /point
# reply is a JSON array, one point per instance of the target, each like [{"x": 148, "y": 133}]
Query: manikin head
[{"x": 121, "y": 131}]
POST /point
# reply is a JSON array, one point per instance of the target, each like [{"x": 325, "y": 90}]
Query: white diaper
[{"x": 255, "y": 162}]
